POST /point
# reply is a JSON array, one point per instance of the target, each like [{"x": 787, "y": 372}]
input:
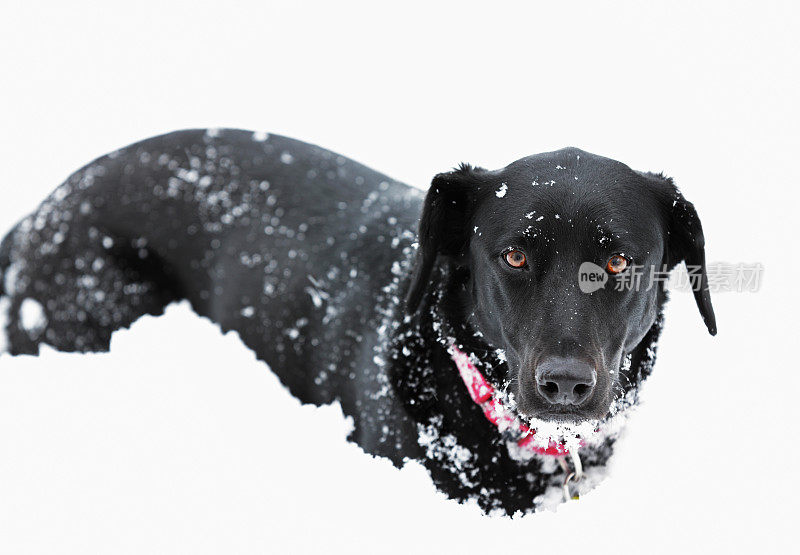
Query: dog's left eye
[{"x": 515, "y": 259}]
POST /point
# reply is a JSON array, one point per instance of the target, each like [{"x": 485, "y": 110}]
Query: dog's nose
[{"x": 565, "y": 381}]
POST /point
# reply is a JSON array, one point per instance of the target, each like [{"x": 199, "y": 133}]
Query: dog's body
[{"x": 307, "y": 255}]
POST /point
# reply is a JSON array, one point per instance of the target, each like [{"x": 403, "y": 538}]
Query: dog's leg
[{"x": 71, "y": 284}]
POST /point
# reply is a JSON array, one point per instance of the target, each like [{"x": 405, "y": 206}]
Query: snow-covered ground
[{"x": 179, "y": 441}]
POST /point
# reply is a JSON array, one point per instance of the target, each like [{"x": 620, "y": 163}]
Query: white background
[{"x": 178, "y": 441}]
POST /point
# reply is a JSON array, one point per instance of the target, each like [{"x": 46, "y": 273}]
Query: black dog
[{"x": 311, "y": 258}]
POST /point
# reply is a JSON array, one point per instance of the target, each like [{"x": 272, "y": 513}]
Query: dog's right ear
[{"x": 443, "y": 225}]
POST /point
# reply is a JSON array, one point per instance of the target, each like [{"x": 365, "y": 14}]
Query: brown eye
[
  {"x": 515, "y": 259},
  {"x": 616, "y": 264}
]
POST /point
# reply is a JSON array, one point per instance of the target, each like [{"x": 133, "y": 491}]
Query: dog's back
[{"x": 298, "y": 249}]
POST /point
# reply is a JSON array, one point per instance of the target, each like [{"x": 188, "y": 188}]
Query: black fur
[{"x": 309, "y": 256}]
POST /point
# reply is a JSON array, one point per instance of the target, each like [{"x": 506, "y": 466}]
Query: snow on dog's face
[{"x": 565, "y": 256}]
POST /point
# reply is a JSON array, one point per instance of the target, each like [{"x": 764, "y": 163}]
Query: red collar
[{"x": 483, "y": 393}]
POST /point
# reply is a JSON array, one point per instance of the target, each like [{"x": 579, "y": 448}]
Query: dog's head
[{"x": 565, "y": 253}]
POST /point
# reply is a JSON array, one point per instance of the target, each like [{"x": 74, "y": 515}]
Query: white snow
[
  {"x": 158, "y": 419},
  {"x": 32, "y": 317},
  {"x": 190, "y": 176},
  {"x": 10, "y": 278},
  {"x": 316, "y": 296},
  {"x": 248, "y": 311},
  {"x": 501, "y": 192}
]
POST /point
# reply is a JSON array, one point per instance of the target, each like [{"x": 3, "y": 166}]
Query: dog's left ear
[
  {"x": 443, "y": 225},
  {"x": 686, "y": 243}
]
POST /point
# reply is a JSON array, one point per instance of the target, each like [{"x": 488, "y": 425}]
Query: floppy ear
[
  {"x": 442, "y": 226},
  {"x": 687, "y": 243}
]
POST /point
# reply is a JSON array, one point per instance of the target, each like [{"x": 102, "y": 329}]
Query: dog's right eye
[
  {"x": 617, "y": 264},
  {"x": 515, "y": 259}
]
